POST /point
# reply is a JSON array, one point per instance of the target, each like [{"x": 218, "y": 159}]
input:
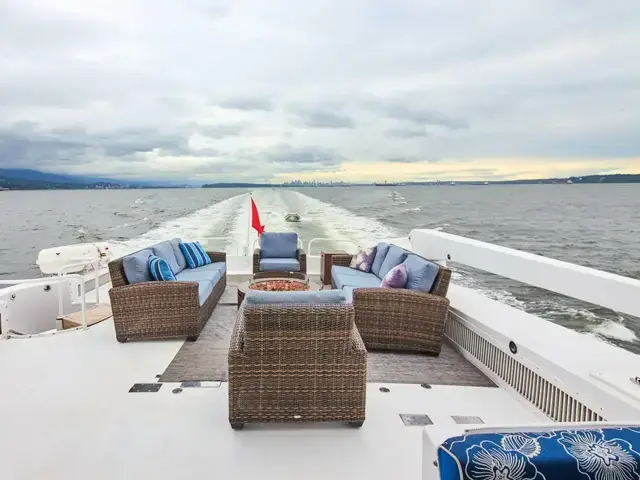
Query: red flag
[{"x": 255, "y": 218}]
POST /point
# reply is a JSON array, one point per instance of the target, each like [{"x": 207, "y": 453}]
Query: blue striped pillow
[
  {"x": 160, "y": 269},
  {"x": 194, "y": 254}
]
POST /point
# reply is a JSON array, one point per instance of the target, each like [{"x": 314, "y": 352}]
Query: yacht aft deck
[{"x": 69, "y": 413}]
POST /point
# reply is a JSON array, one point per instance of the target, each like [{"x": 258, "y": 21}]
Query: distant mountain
[
  {"x": 25, "y": 174},
  {"x": 27, "y": 179}
]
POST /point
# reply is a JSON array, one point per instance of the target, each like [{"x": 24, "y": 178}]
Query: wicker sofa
[
  {"x": 173, "y": 309},
  {"x": 395, "y": 318},
  {"x": 291, "y": 361},
  {"x": 279, "y": 252}
]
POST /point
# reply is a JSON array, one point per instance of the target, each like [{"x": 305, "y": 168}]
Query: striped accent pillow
[
  {"x": 194, "y": 254},
  {"x": 160, "y": 269}
]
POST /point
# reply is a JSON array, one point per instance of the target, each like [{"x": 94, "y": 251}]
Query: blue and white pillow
[
  {"x": 194, "y": 254},
  {"x": 160, "y": 269}
]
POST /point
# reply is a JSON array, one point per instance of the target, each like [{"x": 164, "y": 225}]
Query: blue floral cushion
[
  {"x": 195, "y": 254},
  {"x": 160, "y": 269},
  {"x": 585, "y": 454}
]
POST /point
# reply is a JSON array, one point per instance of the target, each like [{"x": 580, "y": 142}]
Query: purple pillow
[
  {"x": 363, "y": 259},
  {"x": 396, "y": 278}
]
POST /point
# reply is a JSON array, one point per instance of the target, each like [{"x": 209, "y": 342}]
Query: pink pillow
[
  {"x": 363, "y": 259},
  {"x": 396, "y": 278}
]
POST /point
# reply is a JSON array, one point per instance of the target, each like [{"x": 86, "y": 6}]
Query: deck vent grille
[{"x": 551, "y": 400}]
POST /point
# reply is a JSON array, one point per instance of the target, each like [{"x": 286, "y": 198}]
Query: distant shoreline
[{"x": 13, "y": 184}]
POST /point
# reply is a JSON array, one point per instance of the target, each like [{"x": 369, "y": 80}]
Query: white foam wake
[
  {"x": 615, "y": 330},
  {"x": 343, "y": 225},
  {"x": 211, "y": 221}
]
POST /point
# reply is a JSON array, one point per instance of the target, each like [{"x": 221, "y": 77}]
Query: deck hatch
[
  {"x": 465, "y": 419},
  {"x": 145, "y": 388},
  {"x": 415, "y": 420}
]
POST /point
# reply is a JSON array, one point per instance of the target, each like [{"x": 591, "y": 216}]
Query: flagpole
[{"x": 249, "y": 253}]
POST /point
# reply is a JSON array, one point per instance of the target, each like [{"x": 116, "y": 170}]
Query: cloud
[
  {"x": 304, "y": 157},
  {"x": 408, "y": 111},
  {"x": 26, "y": 145},
  {"x": 406, "y": 132},
  {"x": 223, "y": 130},
  {"x": 322, "y": 117},
  {"x": 405, "y": 159},
  {"x": 257, "y": 89},
  {"x": 247, "y": 103}
]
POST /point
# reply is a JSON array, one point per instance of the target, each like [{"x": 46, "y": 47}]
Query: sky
[{"x": 353, "y": 90}]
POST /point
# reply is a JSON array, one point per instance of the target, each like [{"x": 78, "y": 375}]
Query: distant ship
[{"x": 386, "y": 184}]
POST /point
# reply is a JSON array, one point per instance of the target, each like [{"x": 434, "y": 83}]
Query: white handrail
[
  {"x": 593, "y": 286},
  {"x": 223, "y": 238},
  {"x": 45, "y": 281},
  {"x": 255, "y": 242},
  {"x": 62, "y": 272},
  {"x": 311, "y": 242}
]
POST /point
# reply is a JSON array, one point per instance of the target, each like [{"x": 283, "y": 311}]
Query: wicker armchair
[
  {"x": 271, "y": 239},
  {"x": 296, "y": 363},
  {"x": 400, "y": 319},
  {"x": 155, "y": 310}
]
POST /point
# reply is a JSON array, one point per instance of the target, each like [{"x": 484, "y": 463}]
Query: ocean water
[{"x": 593, "y": 225}]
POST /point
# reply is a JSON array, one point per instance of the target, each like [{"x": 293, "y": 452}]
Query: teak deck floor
[{"x": 206, "y": 358}]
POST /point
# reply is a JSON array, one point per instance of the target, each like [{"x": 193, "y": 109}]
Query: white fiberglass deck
[{"x": 67, "y": 414}]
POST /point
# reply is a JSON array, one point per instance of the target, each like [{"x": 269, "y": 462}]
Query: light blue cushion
[
  {"x": 421, "y": 273},
  {"x": 136, "y": 266},
  {"x": 160, "y": 269},
  {"x": 559, "y": 454},
  {"x": 381, "y": 253},
  {"x": 348, "y": 293},
  {"x": 195, "y": 254},
  {"x": 278, "y": 245},
  {"x": 345, "y": 276},
  {"x": 205, "y": 288},
  {"x": 257, "y": 297},
  {"x": 165, "y": 251},
  {"x": 212, "y": 272},
  {"x": 395, "y": 256},
  {"x": 182, "y": 262},
  {"x": 279, "y": 265}
]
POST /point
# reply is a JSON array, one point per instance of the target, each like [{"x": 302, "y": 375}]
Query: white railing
[
  {"x": 63, "y": 272},
  {"x": 255, "y": 243},
  {"x": 45, "y": 281},
  {"x": 237, "y": 245},
  {"x": 564, "y": 374},
  {"x": 587, "y": 284},
  {"x": 319, "y": 239}
]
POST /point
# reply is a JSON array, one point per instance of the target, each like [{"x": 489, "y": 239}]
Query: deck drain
[
  {"x": 425, "y": 385},
  {"x": 466, "y": 420},
  {"x": 145, "y": 388},
  {"x": 415, "y": 420},
  {"x": 384, "y": 390},
  {"x": 177, "y": 390}
]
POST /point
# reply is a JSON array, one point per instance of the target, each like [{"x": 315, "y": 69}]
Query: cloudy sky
[{"x": 215, "y": 90}]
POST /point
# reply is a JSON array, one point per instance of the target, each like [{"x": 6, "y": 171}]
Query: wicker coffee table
[{"x": 275, "y": 279}]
